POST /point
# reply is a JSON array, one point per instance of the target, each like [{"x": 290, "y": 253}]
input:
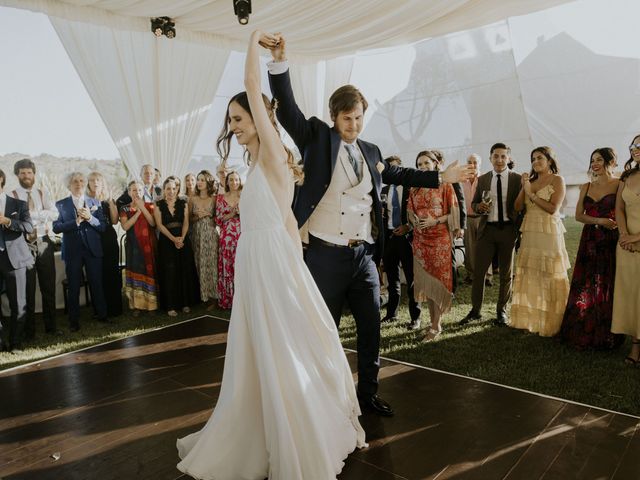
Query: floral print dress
[{"x": 229, "y": 234}]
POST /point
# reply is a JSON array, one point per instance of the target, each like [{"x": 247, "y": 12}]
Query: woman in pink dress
[{"x": 228, "y": 219}]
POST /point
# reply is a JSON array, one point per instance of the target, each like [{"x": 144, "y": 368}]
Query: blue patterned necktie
[
  {"x": 395, "y": 207},
  {"x": 353, "y": 156}
]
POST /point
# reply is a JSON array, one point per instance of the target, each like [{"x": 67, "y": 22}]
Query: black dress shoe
[
  {"x": 501, "y": 320},
  {"x": 376, "y": 405},
  {"x": 388, "y": 318},
  {"x": 469, "y": 317},
  {"x": 414, "y": 325}
]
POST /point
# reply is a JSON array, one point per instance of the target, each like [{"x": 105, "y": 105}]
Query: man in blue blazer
[
  {"x": 81, "y": 221},
  {"x": 339, "y": 211},
  {"x": 15, "y": 258}
]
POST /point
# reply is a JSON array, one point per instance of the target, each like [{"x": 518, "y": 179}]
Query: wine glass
[{"x": 486, "y": 198}]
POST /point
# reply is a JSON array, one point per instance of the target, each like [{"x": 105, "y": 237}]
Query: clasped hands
[
  {"x": 178, "y": 242},
  {"x": 425, "y": 222},
  {"x": 274, "y": 42},
  {"x": 83, "y": 215},
  {"x": 630, "y": 243},
  {"x": 5, "y": 221}
]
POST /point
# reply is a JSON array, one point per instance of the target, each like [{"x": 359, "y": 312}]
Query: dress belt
[{"x": 351, "y": 244}]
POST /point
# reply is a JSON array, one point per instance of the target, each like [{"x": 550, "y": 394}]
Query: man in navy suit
[
  {"x": 15, "y": 258},
  {"x": 339, "y": 211},
  {"x": 81, "y": 221}
]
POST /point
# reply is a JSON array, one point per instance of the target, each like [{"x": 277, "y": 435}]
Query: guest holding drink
[
  {"x": 541, "y": 285},
  {"x": 111, "y": 275},
  {"x": 140, "y": 279},
  {"x": 435, "y": 216},
  {"x": 626, "y": 297},
  {"x": 176, "y": 269},
  {"x": 587, "y": 318},
  {"x": 228, "y": 219},
  {"x": 204, "y": 236}
]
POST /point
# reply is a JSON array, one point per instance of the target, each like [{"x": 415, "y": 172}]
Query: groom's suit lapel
[
  {"x": 335, "y": 146},
  {"x": 370, "y": 160}
]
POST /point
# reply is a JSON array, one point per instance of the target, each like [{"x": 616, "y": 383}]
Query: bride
[{"x": 287, "y": 407}]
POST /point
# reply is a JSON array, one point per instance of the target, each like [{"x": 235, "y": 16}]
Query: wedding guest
[
  {"x": 111, "y": 275},
  {"x": 473, "y": 219},
  {"x": 42, "y": 212},
  {"x": 541, "y": 285},
  {"x": 157, "y": 180},
  {"x": 626, "y": 297},
  {"x": 494, "y": 200},
  {"x": 397, "y": 249},
  {"x": 139, "y": 224},
  {"x": 228, "y": 219},
  {"x": 587, "y": 318},
  {"x": 434, "y": 215},
  {"x": 176, "y": 268},
  {"x": 189, "y": 185},
  {"x": 15, "y": 258},
  {"x": 81, "y": 221},
  {"x": 204, "y": 236},
  {"x": 152, "y": 192},
  {"x": 462, "y": 209}
]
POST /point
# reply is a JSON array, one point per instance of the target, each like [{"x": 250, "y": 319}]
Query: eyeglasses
[{"x": 634, "y": 146}]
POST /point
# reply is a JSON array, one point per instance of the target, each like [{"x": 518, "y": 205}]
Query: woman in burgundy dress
[{"x": 587, "y": 318}]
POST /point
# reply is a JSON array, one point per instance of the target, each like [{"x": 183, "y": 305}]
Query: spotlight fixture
[
  {"x": 163, "y": 26},
  {"x": 242, "y": 8}
]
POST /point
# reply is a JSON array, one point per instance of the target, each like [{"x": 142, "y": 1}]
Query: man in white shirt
[
  {"x": 42, "y": 212},
  {"x": 151, "y": 191},
  {"x": 497, "y": 231}
]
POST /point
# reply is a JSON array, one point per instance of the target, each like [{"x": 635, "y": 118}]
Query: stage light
[
  {"x": 163, "y": 26},
  {"x": 242, "y": 8}
]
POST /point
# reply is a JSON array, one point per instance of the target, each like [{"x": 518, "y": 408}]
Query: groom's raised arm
[
  {"x": 409, "y": 177},
  {"x": 289, "y": 114}
]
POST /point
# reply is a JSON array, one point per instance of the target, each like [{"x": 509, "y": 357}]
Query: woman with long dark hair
[
  {"x": 228, "y": 219},
  {"x": 541, "y": 285},
  {"x": 287, "y": 407},
  {"x": 587, "y": 318},
  {"x": 626, "y": 297}
]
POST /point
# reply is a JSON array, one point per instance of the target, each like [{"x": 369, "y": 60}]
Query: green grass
[
  {"x": 513, "y": 357},
  {"x": 480, "y": 350}
]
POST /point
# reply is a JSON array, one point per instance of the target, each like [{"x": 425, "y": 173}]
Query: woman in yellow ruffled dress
[{"x": 541, "y": 284}]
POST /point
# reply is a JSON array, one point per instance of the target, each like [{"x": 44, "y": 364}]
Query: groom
[{"x": 339, "y": 211}]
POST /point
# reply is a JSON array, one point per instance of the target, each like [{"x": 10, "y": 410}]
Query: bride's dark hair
[{"x": 223, "y": 144}]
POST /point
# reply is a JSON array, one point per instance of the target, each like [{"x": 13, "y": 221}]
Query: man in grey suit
[
  {"x": 15, "y": 257},
  {"x": 497, "y": 231}
]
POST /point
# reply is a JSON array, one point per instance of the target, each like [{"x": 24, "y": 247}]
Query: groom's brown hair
[{"x": 345, "y": 99}]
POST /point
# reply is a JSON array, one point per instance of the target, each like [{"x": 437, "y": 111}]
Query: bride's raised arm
[{"x": 272, "y": 152}]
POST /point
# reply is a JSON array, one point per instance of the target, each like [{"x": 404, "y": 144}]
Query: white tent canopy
[{"x": 153, "y": 94}]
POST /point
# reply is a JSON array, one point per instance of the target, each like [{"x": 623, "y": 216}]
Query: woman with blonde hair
[
  {"x": 111, "y": 275},
  {"x": 189, "y": 185},
  {"x": 137, "y": 221}
]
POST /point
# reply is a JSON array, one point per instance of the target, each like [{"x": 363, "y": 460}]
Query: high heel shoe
[
  {"x": 431, "y": 335},
  {"x": 629, "y": 360}
]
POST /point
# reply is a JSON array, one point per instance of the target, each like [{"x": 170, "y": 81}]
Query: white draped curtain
[{"x": 153, "y": 94}]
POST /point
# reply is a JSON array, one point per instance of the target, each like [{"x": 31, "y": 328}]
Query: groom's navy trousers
[{"x": 345, "y": 273}]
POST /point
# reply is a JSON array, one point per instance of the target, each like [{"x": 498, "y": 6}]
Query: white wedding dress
[{"x": 287, "y": 408}]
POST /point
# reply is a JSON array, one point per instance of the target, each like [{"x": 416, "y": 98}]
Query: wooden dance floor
[{"x": 114, "y": 412}]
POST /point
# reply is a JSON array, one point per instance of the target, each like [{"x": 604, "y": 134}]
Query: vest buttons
[
  {"x": 362, "y": 214},
  {"x": 313, "y": 206},
  {"x": 341, "y": 233},
  {"x": 341, "y": 213}
]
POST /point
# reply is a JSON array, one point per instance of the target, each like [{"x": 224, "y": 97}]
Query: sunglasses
[{"x": 634, "y": 146}]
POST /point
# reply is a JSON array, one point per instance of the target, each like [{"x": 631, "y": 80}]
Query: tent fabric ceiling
[{"x": 318, "y": 29}]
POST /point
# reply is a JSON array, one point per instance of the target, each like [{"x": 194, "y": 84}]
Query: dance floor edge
[{"x": 114, "y": 411}]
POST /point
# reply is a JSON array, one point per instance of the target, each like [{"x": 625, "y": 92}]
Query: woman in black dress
[
  {"x": 111, "y": 275},
  {"x": 177, "y": 277}
]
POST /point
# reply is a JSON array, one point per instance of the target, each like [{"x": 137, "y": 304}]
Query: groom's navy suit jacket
[{"x": 318, "y": 144}]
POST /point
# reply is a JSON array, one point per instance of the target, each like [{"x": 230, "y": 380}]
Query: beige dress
[
  {"x": 626, "y": 295},
  {"x": 541, "y": 284}
]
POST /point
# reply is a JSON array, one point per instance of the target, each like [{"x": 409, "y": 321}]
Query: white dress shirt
[
  {"x": 3, "y": 203},
  {"x": 504, "y": 179},
  {"x": 44, "y": 211}
]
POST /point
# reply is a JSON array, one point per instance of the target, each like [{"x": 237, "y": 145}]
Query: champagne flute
[{"x": 486, "y": 198}]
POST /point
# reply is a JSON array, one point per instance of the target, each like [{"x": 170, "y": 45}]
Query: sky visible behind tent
[{"x": 46, "y": 109}]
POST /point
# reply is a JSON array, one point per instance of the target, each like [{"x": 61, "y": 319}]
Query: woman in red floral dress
[
  {"x": 434, "y": 215},
  {"x": 228, "y": 219}
]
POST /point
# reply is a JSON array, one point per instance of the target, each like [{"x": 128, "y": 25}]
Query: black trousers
[
  {"x": 398, "y": 251},
  {"x": 43, "y": 271},
  {"x": 349, "y": 275},
  {"x": 15, "y": 282}
]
